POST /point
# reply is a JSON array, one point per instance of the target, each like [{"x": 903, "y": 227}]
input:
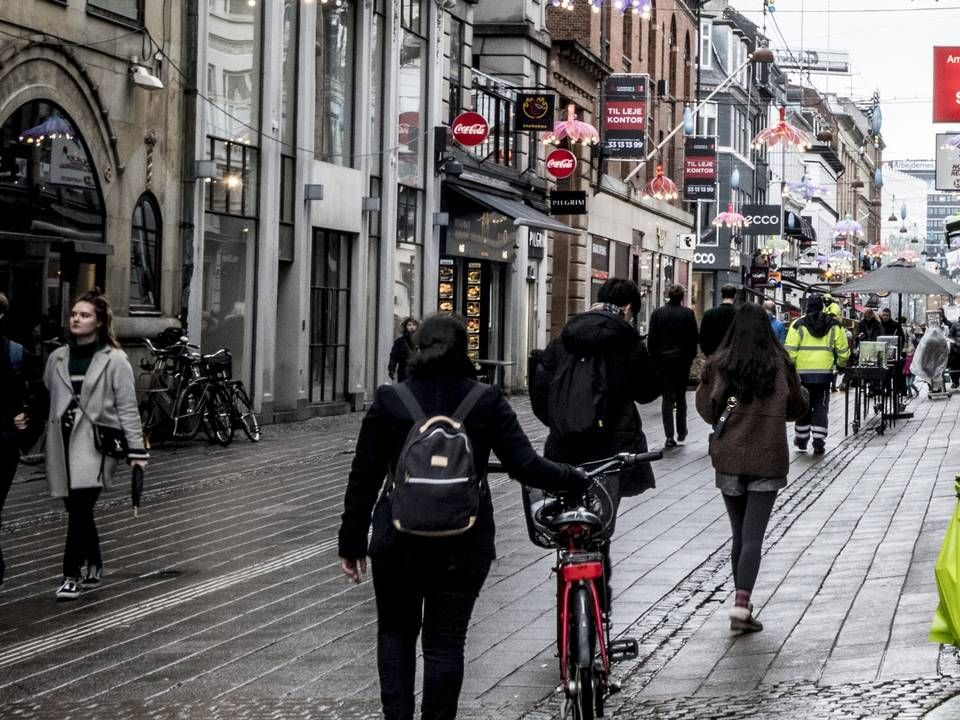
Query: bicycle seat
[{"x": 552, "y": 516}]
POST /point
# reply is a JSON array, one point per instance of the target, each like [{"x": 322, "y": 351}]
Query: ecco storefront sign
[
  {"x": 762, "y": 220},
  {"x": 711, "y": 258}
]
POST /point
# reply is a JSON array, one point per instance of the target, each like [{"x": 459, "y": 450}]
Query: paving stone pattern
[{"x": 223, "y": 599}]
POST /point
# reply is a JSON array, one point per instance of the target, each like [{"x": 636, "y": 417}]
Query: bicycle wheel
[
  {"x": 580, "y": 656},
  {"x": 188, "y": 413},
  {"x": 243, "y": 411},
  {"x": 218, "y": 420}
]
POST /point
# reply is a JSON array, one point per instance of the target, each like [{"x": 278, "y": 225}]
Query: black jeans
[
  {"x": 675, "y": 393},
  {"x": 814, "y": 420},
  {"x": 83, "y": 543},
  {"x": 9, "y": 457},
  {"x": 423, "y": 584},
  {"x": 749, "y": 514}
]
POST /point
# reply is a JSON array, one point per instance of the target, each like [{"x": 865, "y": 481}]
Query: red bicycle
[{"x": 578, "y": 528}]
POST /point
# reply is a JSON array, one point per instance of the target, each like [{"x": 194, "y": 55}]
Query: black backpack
[
  {"x": 577, "y": 399},
  {"x": 436, "y": 488}
]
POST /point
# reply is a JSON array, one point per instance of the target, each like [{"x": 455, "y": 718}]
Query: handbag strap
[{"x": 732, "y": 403}]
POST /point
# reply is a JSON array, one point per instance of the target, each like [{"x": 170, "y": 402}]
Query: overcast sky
[{"x": 891, "y": 50}]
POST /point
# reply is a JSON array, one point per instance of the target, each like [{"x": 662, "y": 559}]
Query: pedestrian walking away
[
  {"x": 430, "y": 584},
  {"x": 776, "y": 324},
  {"x": 673, "y": 346},
  {"x": 402, "y": 350},
  {"x": 92, "y": 400},
  {"x": 22, "y": 408},
  {"x": 716, "y": 321},
  {"x": 817, "y": 346},
  {"x": 605, "y": 338},
  {"x": 748, "y": 392}
]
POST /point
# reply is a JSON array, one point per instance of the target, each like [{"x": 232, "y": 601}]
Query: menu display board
[
  {"x": 447, "y": 287},
  {"x": 474, "y": 295}
]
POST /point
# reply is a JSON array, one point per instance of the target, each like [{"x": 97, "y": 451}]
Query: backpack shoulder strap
[
  {"x": 409, "y": 401},
  {"x": 469, "y": 401}
]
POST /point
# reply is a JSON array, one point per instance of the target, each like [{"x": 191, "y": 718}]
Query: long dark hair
[
  {"x": 441, "y": 348},
  {"x": 749, "y": 357},
  {"x": 107, "y": 335}
]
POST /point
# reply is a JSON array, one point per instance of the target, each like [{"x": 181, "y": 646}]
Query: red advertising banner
[
  {"x": 946, "y": 84},
  {"x": 625, "y": 116},
  {"x": 700, "y": 168}
]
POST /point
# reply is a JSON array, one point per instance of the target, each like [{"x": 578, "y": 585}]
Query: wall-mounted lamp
[
  {"x": 441, "y": 219},
  {"x": 371, "y": 204},
  {"x": 450, "y": 166},
  {"x": 204, "y": 169},
  {"x": 313, "y": 192}
]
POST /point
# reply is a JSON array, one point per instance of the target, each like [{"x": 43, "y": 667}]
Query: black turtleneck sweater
[{"x": 80, "y": 358}]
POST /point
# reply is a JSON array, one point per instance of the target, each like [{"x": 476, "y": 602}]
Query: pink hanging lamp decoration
[
  {"x": 907, "y": 255},
  {"x": 848, "y": 228},
  {"x": 783, "y": 132},
  {"x": 661, "y": 187},
  {"x": 573, "y": 129},
  {"x": 730, "y": 218},
  {"x": 877, "y": 251}
]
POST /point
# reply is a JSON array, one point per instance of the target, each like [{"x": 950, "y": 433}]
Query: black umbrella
[
  {"x": 903, "y": 278},
  {"x": 136, "y": 488}
]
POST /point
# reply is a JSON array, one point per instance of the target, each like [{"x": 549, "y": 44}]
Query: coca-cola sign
[
  {"x": 470, "y": 129},
  {"x": 561, "y": 163}
]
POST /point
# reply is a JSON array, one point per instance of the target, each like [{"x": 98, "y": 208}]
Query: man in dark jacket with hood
[
  {"x": 603, "y": 332},
  {"x": 716, "y": 321},
  {"x": 673, "y": 345}
]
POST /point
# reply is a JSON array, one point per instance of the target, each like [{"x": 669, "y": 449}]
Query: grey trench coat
[{"x": 108, "y": 397}]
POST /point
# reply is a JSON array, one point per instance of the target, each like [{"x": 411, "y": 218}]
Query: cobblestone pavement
[{"x": 223, "y": 599}]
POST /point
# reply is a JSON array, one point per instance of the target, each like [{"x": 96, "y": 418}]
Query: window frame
[
  {"x": 93, "y": 9},
  {"x": 706, "y": 40},
  {"x": 345, "y": 159},
  {"x": 145, "y": 200}
]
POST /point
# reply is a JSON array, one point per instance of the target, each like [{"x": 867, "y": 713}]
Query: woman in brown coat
[{"x": 752, "y": 376}]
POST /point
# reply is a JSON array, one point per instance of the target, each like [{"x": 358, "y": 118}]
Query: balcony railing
[{"x": 493, "y": 98}]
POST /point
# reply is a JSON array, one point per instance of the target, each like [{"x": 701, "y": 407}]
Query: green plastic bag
[{"x": 946, "y": 622}]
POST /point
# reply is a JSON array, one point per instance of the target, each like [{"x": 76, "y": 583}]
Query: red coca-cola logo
[
  {"x": 561, "y": 163},
  {"x": 470, "y": 129}
]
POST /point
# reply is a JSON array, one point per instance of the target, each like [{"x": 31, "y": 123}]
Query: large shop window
[
  {"x": 335, "y": 48},
  {"x": 125, "y": 11},
  {"x": 329, "y": 315},
  {"x": 145, "y": 249},
  {"x": 234, "y": 190},
  {"x": 406, "y": 284},
  {"x": 234, "y": 48}
]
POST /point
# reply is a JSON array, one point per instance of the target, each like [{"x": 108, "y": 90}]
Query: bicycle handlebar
[{"x": 614, "y": 462}]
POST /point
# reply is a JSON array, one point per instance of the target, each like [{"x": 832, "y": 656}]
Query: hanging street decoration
[
  {"x": 805, "y": 190},
  {"x": 700, "y": 168},
  {"x": 635, "y": 7},
  {"x": 561, "y": 163},
  {"x": 782, "y": 132},
  {"x": 625, "y": 116},
  {"x": 848, "y": 229},
  {"x": 53, "y": 128},
  {"x": 572, "y": 129},
  {"x": 877, "y": 251},
  {"x": 661, "y": 187},
  {"x": 730, "y": 218},
  {"x": 470, "y": 129},
  {"x": 534, "y": 111}
]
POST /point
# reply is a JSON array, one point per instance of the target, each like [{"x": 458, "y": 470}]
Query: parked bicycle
[
  {"x": 576, "y": 527},
  {"x": 187, "y": 391}
]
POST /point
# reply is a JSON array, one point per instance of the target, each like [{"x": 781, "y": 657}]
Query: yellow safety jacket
[
  {"x": 833, "y": 309},
  {"x": 816, "y": 357}
]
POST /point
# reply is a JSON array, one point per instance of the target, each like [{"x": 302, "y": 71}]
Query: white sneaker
[{"x": 70, "y": 590}]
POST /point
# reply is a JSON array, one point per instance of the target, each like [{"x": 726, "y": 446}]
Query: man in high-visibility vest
[{"x": 817, "y": 345}]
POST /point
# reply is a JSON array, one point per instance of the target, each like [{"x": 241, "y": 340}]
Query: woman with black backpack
[
  {"x": 421, "y": 581},
  {"x": 748, "y": 391}
]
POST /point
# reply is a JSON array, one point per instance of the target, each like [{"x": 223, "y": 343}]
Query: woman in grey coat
[{"x": 91, "y": 383}]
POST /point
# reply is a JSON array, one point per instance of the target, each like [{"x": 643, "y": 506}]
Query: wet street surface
[{"x": 223, "y": 599}]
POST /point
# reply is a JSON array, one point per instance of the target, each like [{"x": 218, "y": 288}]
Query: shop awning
[{"x": 521, "y": 214}]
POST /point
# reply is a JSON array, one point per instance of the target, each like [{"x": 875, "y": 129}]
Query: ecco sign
[
  {"x": 762, "y": 219},
  {"x": 704, "y": 258}
]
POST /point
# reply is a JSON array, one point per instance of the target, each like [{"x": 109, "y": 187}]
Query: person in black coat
[
  {"x": 421, "y": 582},
  {"x": 402, "y": 351},
  {"x": 673, "y": 345},
  {"x": 632, "y": 377},
  {"x": 716, "y": 321}
]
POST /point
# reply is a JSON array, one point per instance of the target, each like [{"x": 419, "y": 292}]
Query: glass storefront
[
  {"x": 406, "y": 290},
  {"x": 229, "y": 244},
  {"x": 329, "y": 315}
]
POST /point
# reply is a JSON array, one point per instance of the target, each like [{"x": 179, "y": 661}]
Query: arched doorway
[{"x": 52, "y": 220}]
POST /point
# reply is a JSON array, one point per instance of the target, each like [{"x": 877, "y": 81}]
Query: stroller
[{"x": 930, "y": 362}]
